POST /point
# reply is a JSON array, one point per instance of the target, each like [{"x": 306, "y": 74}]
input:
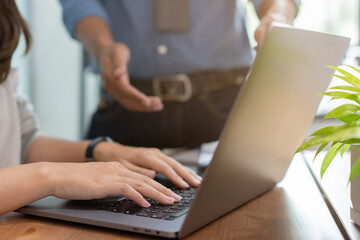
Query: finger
[
  {"x": 147, "y": 172},
  {"x": 194, "y": 174},
  {"x": 259, "y": 36},
  {"x": 169, "y": 172},
  {"x": 149, "y": 159},
  {"x": 156, "y": 104},
  {"x": 186, "y": 173},
  {"x": 133, "y": 93},
  {"x": 137, "y": 179},
  {"x": 129, "y": 192},
  {"x": 159, "y": 187},
  {"x": 132, "y": 102},
  {"x": 149, "y": 191}
]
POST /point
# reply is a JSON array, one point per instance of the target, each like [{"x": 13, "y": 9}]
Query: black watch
[{"x": 90, "y": 148}]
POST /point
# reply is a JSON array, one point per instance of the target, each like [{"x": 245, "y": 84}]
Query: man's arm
[
  {"x": 87, "y": 20},
  {"x": 112, "y": 59},
  {"x": 283, "y": 11}
]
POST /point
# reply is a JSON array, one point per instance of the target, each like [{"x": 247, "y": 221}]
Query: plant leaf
[
  {"x": 321, "y": 147},
  {"x": 350, "y": 118},
  {"x": 356, "y": 69},
  {"x": 329, "y": 157},
  {"x": 346, "y": 88},
  {"x": 344, "y": 149},
  {"x": 325, "y": 131},
  {"x": 355, "y": 169},
  {"x": 342, "y": 111},
  {"x": 348, "y": 76},
  {"x": 347, "y": 79},
  {"x": 344, "y": 95},
  {"x": 342, "y": 134}
]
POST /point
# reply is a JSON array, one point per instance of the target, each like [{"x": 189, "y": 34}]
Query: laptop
[{"x": 269, "y": 120}]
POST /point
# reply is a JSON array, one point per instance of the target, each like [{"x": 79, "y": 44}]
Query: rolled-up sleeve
[
  {"x": 30, "y": 127},
  {"x": 76, "y": 10},
  {"x": 258, "y": 3}
]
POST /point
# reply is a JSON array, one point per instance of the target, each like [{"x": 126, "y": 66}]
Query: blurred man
[{"x": 170, "y": 69}]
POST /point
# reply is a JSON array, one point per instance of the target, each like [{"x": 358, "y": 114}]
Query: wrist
[
  {"x": 98, "y": 148},
  {"x": 102, "y": 152},
  {"x": 102, "y": 46},
  {"x": 48, "y": 176}
]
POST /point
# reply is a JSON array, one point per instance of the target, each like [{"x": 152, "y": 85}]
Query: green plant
[{"x": 342, "y": 137}]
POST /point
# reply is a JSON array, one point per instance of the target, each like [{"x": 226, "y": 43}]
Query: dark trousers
[{"x": 187, "y": 124}]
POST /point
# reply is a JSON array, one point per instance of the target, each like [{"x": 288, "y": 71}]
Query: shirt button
[{"x": 162, "y": 49}]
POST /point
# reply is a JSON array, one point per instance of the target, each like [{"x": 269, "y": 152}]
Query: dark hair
[{"x": 12, "y": 25}]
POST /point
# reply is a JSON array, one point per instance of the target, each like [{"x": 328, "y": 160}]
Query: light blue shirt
[{"x": 217, "y": 38}]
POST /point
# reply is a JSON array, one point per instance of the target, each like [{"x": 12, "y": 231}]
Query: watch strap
[{"x": 89, "y": 153}]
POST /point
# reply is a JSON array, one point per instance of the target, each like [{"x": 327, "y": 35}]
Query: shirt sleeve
[
  {"x": 30, "y": 127},
  {"x": 258, "y": 3},
  {"x": 76, "y": 10}
]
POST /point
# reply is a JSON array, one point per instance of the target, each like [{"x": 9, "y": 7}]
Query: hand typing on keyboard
[
  {"x": 147, "y": 161},
  {"x": 156, "y": 210}
]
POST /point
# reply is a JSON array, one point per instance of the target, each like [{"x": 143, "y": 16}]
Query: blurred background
[{"x": 64, "y": 93}]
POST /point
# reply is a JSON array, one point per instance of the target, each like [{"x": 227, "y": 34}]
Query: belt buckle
[{"x": 166, "y": 87}]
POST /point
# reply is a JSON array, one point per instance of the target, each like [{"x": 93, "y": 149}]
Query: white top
[{"x": 18, "y": 124}]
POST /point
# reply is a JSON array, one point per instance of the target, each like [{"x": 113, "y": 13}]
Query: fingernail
[
  {"x": 145, "y": 204},
  {"x": 197, "y": 181},
  {"x": 170, "y": 199},
  {"x": 184, "y": 184},
  {"x": 177, "y": 197},
  {"x": 151, "y": 174}
]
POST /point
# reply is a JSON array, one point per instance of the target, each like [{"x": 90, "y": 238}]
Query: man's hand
[
  {"x": 147, "y": 161},
  {"x": 282, "y": 11},
  {"x": 113, "y": 63},
  {"x": 113, "y": 59},
  {"x": 264, "y": 25}
]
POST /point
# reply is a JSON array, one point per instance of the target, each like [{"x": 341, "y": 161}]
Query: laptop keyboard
[{"x": 156, "y": 210}]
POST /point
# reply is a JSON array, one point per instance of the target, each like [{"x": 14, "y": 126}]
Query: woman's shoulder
[{"x": 11, "y": 82}]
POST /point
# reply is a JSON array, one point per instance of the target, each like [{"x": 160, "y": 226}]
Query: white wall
[{"x": 52, "y": 72}]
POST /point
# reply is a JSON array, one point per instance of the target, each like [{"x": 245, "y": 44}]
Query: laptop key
[
  {"x": 168, "y": 210},
  {"x": 133, "y": 210},
  {"x": 180, "y": 213},
  {"x": 159, "y": 215},
  {"x": 144, "y": 214},
  {"x": 176, "y": 208}
]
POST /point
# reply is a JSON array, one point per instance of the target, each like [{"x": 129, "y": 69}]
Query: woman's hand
[
  {"x": 83, "y": 181},
  {"x": 147, "y": 161}
]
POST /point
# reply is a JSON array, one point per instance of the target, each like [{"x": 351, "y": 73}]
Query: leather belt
[{"x": 183, "y": 87}]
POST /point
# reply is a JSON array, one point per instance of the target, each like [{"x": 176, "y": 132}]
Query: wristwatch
[{"x": 89, "y": 153}]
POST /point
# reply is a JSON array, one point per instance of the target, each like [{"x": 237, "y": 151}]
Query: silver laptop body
[{"x": 269, "y": 120}]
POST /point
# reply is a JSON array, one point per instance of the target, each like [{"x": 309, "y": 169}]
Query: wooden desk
[
  {"x": 336, "y": 188},
  {"x": 294, "y": 209}
]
